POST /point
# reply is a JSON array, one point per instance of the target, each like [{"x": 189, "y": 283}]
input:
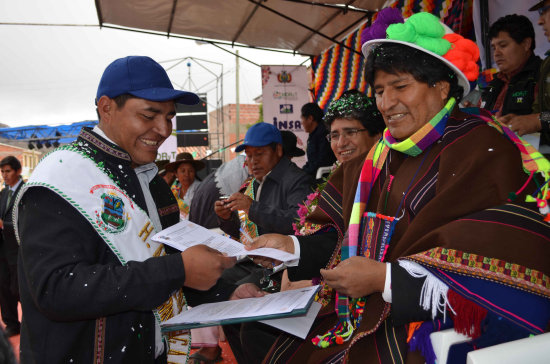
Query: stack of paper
[
  {"x": 271, "y": 306},
  {"x": 186, "y": 234}
]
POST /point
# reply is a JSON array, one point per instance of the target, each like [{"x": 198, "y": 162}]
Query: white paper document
[
  {"x": 186, "y": 234},
  {"x": 276, "y": 305},
  {"x": 297, "y": 325}
]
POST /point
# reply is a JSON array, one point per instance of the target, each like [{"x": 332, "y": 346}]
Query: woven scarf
[
  {"x": 413, "y": 146},
  {"x": 248, "y": 228},
  {"x": 533, "y": 161},
  {"x": 184, "y": 207}
]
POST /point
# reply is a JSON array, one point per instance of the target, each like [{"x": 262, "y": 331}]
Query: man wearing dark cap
[
  {"x": 539, "y": 119},
  {"x": 94, "y": 286}
]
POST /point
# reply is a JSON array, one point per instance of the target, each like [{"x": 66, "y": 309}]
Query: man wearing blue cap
[
  {"x": 270, "y": 201},
  {"x": 94, "y": 286}
]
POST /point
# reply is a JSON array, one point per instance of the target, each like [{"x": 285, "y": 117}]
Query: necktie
[{"x": 10, "y": 195}]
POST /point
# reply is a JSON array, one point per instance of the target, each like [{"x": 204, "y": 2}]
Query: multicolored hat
[{"x": 425, "y": 32}]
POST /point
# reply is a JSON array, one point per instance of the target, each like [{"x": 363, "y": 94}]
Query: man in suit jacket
[{"x": 9, "y": 289}]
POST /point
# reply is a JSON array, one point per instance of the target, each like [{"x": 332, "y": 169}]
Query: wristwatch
[{"x": 544, "y": 118}]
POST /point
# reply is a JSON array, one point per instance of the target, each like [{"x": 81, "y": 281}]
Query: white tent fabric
[{"x": 280, "y": 24}]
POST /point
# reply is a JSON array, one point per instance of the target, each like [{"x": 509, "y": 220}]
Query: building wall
[
  {"x": 225, "y": 134},
  {"x": 28, "y": 158}
]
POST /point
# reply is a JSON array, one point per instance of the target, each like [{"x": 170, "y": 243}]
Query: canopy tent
[
  {"x": 330, "y": 32},
  {"x": 304, "y": 27},
  {"x": 38, "y": 135}
]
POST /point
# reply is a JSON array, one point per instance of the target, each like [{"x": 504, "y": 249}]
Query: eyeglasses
[
  {"x": 543, "y": 9},
  {"x": 347, "y": 133}
]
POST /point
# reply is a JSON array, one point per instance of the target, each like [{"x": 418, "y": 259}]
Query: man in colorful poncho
[
  {"x": 431, "y": 241},
  {"x": 94, "y": 286}
]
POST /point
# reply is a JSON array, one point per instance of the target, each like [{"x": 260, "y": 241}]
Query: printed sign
[
  {"x": 169, "y": 148},
  {"x": 284, "y": 91}
]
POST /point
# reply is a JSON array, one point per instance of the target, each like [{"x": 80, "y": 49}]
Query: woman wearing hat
[
  {"x": 434, "y": 215},
  {"x": 354, "y": 125},
  {"x": 185, "y": 168}
]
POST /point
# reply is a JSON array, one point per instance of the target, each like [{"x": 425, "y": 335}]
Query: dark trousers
[
  {"x": 9, "y": 293},
  {"x": 250, "y": 341}
]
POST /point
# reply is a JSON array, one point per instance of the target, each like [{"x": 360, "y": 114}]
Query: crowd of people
[{"x": 432, "y": 216}]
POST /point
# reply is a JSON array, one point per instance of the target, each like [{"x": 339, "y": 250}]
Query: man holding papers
[
  {"x": 268, "y": 202},
  {"x": 94, "y": 286}
]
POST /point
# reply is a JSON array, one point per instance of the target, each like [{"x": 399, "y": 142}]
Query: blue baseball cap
[
  {"x": 259, "y": 135},
  {"x": 141, "y": 77}
]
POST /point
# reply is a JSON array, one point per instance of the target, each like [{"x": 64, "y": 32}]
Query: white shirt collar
[
  {"x": 16, "y": 185},
  {"x": 102, "y": 134}
]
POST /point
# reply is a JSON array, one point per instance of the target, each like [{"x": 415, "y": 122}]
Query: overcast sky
[{"x": 49, "y": 75}]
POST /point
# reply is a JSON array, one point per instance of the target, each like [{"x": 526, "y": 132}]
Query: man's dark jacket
[
  {"x": 521, "y": 90},
  {"x": 10, "y": 247},
  {"x": 75, "y": 293},
  {"x": 284, "y": 188},
  {"x": 319, "y": 153}
]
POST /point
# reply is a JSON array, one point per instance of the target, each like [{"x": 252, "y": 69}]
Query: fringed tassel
[
  {"x": 467, "y": 316},
  {"x": 338, "y": 335},
  {"x": 421, "y": 342},
  {"x": 434, "y": 292}
]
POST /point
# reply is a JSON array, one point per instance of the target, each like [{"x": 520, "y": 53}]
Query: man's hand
[
  {"x": 221, "y": 209},
  {"x": 203, "y": 266},
  {"x": 356, "y": 277},
  {"x": 247, "y": 290},
  {"x": 522, "y": 124},
  {"x": 239, "y": 201},
  {"x": 288, "y": 285},
  {"x": 275, "y": 241}
]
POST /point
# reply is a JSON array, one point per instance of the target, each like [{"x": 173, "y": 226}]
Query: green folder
[{"x": 231, "y": 312}]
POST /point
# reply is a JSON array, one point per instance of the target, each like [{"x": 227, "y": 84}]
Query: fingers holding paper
[
  {"x": 247, "y": 290},
  {"x": 356, "y": 277},
  {"x": 204, "y": 266},
  {"x": 274, "y": 241}
]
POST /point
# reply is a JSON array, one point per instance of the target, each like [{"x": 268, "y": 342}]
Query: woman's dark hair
[
  {"x": 354, "y": 104},
  {"x": 518, "y": 27},
  {"x": 314, "y": 110},
  {"x": 396, "y": 58}
]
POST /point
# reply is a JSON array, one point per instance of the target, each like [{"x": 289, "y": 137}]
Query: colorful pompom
[
  {"x": 404, "y": 32},
  {"x": 427, "y": 25},
  {"x": 464, "y": 55},
  {"x": 384, "y": 18}
]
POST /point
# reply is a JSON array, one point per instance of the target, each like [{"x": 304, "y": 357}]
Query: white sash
[{"x": 117, "y": 219}]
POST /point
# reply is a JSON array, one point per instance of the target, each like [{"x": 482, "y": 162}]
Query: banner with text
[
  {"x": 169, "y": 148},
  {"x": 284, "y": 91}
]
